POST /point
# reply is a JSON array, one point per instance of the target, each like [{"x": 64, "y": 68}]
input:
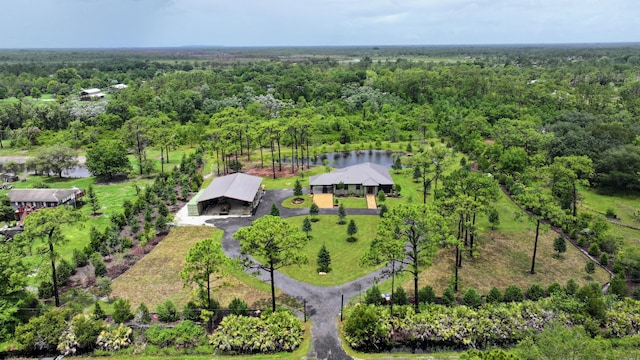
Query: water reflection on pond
[{"x": 348, "y": 158}]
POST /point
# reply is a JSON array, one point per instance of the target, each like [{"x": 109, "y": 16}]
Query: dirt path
[{"x": 323, "y": 303}]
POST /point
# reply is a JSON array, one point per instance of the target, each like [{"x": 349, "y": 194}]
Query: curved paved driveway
[{"x": 323, "y": 303}]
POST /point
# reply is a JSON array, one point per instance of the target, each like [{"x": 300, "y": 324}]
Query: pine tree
[
  {"x": 352, "y": 230},
  {"x": 324, "y": 260},
  {"x": 559, "y": 245},
  {"x": 342, "y": 215},
  {"x": 93, "y": 200},
  {"x": 397, "y": 164},
  {"x": 417, "y": 174},
  {"x": 274, "y": 210},
  {"x": 314, "y": 210},
  {"x": 306, "y": 226},
  {"x": 297, "y": 188}
]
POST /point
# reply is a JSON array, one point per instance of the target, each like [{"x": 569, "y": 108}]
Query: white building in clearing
[{"x": 91, "y": 94}]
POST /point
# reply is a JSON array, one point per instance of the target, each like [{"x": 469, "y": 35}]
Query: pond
[{"x": 348, "y": 158}]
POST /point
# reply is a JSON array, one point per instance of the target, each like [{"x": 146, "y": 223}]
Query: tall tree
[
  {"x": 419, "y": 228},
  {"x": 205, "y": 263},
  {"x": 567, "y": 172},
  {"x": 277, "y": 242},
  {"x": 541, "y": 206},
  {"x": 135, "y": 134},
  {"x": 57, "y": 159},
  {"x": 108, "y": 158},
  {"x": 45, "y": 225},
  {"x": 13, "y": 279}
]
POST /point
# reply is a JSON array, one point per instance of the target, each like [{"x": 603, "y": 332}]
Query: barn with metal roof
[{"x": 236, "y": 194}]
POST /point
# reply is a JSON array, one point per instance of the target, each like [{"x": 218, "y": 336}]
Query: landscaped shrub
[
  {"x": 115, "y": 339},
  {"x": 590, "y": 267},
  {"x": 64, "y": 270},
  {"x": 494, "y": 296},
  {"x": 45, "y": 289},
  {"x": 449, "y": 297},
  {"x": 618, "y": 286},
  {"x": 98, "y": 313},
  {"x": 604, "y": 259},
  {"x": 80, "y": 335},
  {"x": 142, "y": 315},
  {"x": 103, "y": 286},
  {"x": 41, "y": 333},
  {"x": 273, "y": 332},
  {"x": 184, "y": 335},
  {"x": 399, "y": 297},
  {"x": 167, "y": 311},
  {"x": 426, "y": 295},
  {"x": 594, "y": 250},
  {"x": 535, "y": 292},
  {"x": 80, "y": 259},
  {"x": 99, "y": 268},
  {"x": 191, "y": 311},
  {"x": 238, "y": 307},
  {"x": 373, "y": 296},
  {"x": 571, "y": 288},
  {"x": 365, "y": 330},
  {"x": 383, "y": 210},
  {"x": 512, "y": 294},
  {"x": 122, "y": 311},
  {"x": 471, "y": 298},
  {"x": 581, "y": 241},
  {"x": 610, "y": 214},
  {"x": 555, "y": 288}
]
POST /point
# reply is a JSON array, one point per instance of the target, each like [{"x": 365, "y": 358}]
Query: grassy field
[
  {"x": 156, "y": 277},
  {"x": 345, "y": 256}
]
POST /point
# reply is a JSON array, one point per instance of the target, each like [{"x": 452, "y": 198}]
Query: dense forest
[{"x": 547, "y": 123}]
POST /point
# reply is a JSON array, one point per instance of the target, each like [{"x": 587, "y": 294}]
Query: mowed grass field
[
  {"x": 156, "y": 277},
  {"x": 345, "y": 256}
]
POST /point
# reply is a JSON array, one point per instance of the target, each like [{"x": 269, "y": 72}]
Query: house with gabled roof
[
  {"x": 91, "y": 94},
  {"x": 362, "y": 179},
  {"x": 236, "y": 194},
  {"x": 25, "y": 201}
]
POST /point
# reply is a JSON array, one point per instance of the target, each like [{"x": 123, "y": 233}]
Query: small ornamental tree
[
  {"x": 314, "y": 210},
  {"x": 471, "y": 298},
  {"x": 167, "y": 312},
  {"x": 324, "y": 260},
  {"x": 512, "y": 294},
  {"x": 93, "y": 200},
  {"x": 590, "y": 267},
  {"x": 559, "y": 245},
  {"x": 342, "y": 214},
  {"x": 381, "y": 196},
  {"x": 373, "y": 296},
  {"x": 448, "y": 297},
  {"x": 274, "y": 210},
  {"x": 306, "y": 226},
  {"x": 383, "y": 210},
  {"x": 352, "y": 229},
  {"x": 98, "y": 313},
  {"x": 238, "y": 307},
  {"x": 426, "y": 295},
  {"x": 122, "y": 311},
  {"x": 297, "y": 188},
  {"x": 399, "y": 297},
  {"x": 494, "y": 296}
]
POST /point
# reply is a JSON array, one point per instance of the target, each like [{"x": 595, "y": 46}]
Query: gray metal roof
[
  {"x": 41, "y": 195},
  {"x": 368, "y": 174},
  {"x": 237, "y": 186}
]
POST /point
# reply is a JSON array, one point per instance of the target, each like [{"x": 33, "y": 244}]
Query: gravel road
[{"x": 323, "y": 303}]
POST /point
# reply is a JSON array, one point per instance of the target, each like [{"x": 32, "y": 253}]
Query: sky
[{"x": 169, "y": 23}]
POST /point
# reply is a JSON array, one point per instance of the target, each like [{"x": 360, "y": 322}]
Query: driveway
[{"x": 323, "y": 303}]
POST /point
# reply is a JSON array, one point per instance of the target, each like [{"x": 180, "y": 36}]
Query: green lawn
[
  {"x": 110, "y": 196},
  {"x": 345, "y": 256},
  {"x": 352, "y": 202}
]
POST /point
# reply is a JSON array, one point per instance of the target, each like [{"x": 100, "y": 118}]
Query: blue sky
[{"x": 157, "y": 23}]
